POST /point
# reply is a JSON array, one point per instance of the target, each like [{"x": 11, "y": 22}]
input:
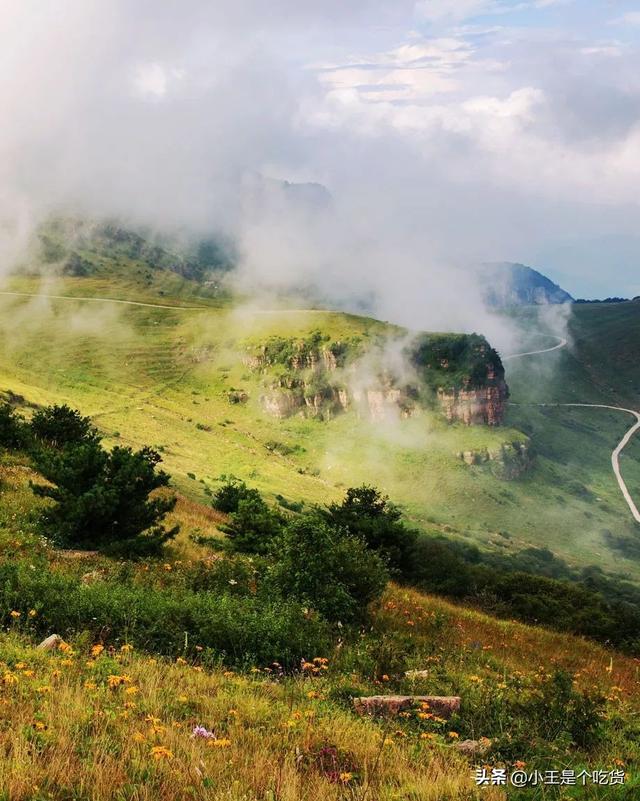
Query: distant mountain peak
[{"x": 508, "y": 283}]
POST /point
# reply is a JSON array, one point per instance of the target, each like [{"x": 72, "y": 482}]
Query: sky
[{"x": 447, "y": 132}]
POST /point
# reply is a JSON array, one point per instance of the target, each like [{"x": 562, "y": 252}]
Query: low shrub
[
  {"x": 253, "y": 526},
  {"x": 59, "y": 426},
  {"x": 369, "y": 516},
  {"x": 13, "y": 431},
  {"x": 102, "y": 499},
  {"x": 328, "y": 570},
  {"x": 227, "y": 497},
  {"x": 234, "y": 629}
]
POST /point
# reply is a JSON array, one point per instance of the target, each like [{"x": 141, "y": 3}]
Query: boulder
[
  {"x": 474, "y": 748},
  {"x": 50, "y": 643},
  {"x": 388, "y": 705}
]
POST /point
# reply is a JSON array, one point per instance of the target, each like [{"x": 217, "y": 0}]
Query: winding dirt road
[
  {"x": 105, "y": 300},
  {"x": 615, "y": 456},
  {"x": 561, "y": 344}
]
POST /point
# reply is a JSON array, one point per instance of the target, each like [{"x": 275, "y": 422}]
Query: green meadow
[{"x": 163, "y": 376}]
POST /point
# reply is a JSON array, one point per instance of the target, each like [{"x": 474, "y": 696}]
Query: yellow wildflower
[
  {"x": 346, "y": 777},
  {"x": 160, "y": 752},
  {"x": 96, "y": 650},
  {"x": 14, "y": 614},
  {"x": 116, "y": 681}
]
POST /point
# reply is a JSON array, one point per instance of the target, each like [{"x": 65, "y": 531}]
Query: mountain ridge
[{"x": 508, "y": 284}]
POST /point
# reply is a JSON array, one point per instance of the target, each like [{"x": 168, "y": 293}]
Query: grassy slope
[
  {"x": 152, "y": 375},
  {"x": 68, "y": 734},
  {"x": 573, "y": 476},
  {"x": 160, "y": 376}
]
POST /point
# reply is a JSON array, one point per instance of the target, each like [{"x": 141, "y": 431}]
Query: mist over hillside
[
  {"x": 509, "y": 284},
  {"x": 432, "y": 157}
]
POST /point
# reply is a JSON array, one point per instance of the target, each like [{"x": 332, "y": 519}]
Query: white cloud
[
  {"x": 151, "y": 79},
  {"x": 476, "y": 143},
  {"x": 630, "y": 18},
  {"x": 452, "y": 10}
]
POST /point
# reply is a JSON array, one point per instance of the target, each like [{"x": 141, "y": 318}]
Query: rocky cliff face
[
  {"x": 378, "y": 404},
  {"x": 315, "y": 377},
  {"x": 508, "y": 462},
  {"x": 475, "y": 406}
]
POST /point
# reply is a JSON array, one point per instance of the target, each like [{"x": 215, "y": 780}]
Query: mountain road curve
[{"x": 615, "y": 456}]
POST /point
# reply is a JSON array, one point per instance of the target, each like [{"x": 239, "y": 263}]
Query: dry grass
[
  {"x": 66, "y": 733},
  {"x": 509, "y": 646}
]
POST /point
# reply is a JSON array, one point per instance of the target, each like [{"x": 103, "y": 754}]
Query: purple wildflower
[{"x": 201, "y": 731}]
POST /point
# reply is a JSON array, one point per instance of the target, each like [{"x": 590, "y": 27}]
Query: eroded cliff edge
[{"x": 386, "y": 378}]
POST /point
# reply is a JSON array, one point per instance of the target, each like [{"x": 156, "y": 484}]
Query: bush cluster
[
  {"x": 98, "y": 499},
  {"x": 235, "y": 630}
]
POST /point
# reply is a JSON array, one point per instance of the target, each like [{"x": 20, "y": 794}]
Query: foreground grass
[{"x": 88, "y": 722}]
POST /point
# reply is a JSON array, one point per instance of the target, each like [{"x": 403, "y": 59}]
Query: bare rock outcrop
[
  {"x": 475, "y": 406},
  {"x": 281, "y": 403},
  {"x": 390, "y": 705},
  {"x": 508, "y": 462}
]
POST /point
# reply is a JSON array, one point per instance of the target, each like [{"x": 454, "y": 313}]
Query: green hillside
[
  {"x": 171, "y": 377},
  {"x": 165, "y": 682},
  {"x": 599, "y": 365}
]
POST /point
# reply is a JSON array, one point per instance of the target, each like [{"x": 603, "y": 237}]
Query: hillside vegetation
[
  {"x": 226, "y": 666},
  {"x": 201, "y": 672},
  {"x": 169, "y": 377}
]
